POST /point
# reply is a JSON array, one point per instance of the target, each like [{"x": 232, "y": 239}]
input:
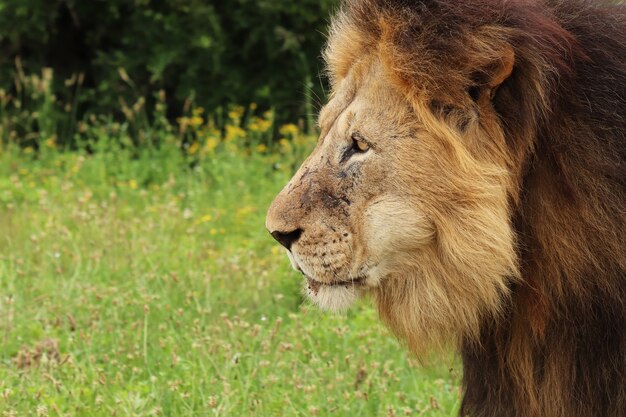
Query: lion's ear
[{"x": 488, "y": 77}]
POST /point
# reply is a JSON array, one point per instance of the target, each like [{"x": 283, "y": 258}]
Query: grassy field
[{"x": 143, "y": 283}]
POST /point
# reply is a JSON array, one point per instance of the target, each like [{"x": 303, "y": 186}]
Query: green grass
[{"x": 134, "y": 285}]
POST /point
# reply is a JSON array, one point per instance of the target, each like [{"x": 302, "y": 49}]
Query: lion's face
[
  {"x": 386, "y": 205},
  {"x": 350, "y": 203}
]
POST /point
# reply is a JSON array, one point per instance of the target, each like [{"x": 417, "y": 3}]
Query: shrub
[{"x": 211, "y": 53}]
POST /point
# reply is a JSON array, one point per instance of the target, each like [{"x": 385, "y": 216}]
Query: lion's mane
[{"x": 559, "y": 347}]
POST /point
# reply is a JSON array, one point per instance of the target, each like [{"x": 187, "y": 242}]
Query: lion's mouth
[{"x": 314, "y": 286}]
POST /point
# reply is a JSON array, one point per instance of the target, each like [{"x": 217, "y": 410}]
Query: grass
[{"x": 140, "y": 281}]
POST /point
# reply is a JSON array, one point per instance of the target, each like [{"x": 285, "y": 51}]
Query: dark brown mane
[{"x": 560, "y": 348}]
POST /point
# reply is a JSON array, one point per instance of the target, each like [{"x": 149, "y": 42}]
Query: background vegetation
[
  {"x": 214, "y": 53},
  {"x": 136, "y": 276}
]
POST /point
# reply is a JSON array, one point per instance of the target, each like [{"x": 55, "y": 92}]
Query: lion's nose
[{"x": 287, "y": 238}]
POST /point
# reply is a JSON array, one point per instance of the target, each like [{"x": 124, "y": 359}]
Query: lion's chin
[{"x": 335, "y": 298}]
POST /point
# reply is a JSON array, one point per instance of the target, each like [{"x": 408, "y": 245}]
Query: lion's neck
[
  {"x": 573, "y": 367},
  {"x": 559, "y": 348}
]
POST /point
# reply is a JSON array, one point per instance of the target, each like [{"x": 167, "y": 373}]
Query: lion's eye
[{"x": 359, "y": 145}]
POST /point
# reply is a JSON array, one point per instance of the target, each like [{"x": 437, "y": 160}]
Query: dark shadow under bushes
[{"x": 217, "y": 53}]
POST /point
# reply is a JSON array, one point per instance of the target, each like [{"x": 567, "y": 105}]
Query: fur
[{"x": 497, "y": 214}]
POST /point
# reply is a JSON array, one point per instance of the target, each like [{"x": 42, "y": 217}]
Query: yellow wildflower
[
  {"x": 211, "y": 144},
  {"x": 213, "y": 232},
  {"x": 234, "y": 132},
  {"x": 260, "y": 125},
  {"x": 288, "y": 130},
  {"x": 236, "y": 113},
  {"x": 265, "y": 125},
  {"x": 198, "y": 111},
  {"x": 193, "y": 148},
  {"x": 261, "y": 148},
  {"x": 196, "y": 121},
  {"x": 51, "y": 142},
  {"x": 133, "y": 184},
  {"x": 253, "y": 126},
  {"x": 204, "y": 219}
]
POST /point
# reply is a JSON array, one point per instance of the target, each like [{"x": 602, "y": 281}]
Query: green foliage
[
  {"x": 32, "y": 117},
  {"x": 216, "y": 53}
]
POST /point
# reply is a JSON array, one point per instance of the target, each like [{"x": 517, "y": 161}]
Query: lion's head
[
  {"x": 407, "y": 194},
  {"x": 452, "y": 166}
]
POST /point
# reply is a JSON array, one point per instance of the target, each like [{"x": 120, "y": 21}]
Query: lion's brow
[{"x": 342, "y": 99}]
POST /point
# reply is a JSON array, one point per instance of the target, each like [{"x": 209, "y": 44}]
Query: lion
[{"x": 470, "y": 176}]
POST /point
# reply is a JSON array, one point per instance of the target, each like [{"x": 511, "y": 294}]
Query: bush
[
  {"x": 212, "y": 53},
  {"x": 33, "y": 121}
]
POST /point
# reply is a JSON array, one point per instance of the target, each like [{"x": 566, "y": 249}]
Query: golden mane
[{"x": 558, "y": 348}]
